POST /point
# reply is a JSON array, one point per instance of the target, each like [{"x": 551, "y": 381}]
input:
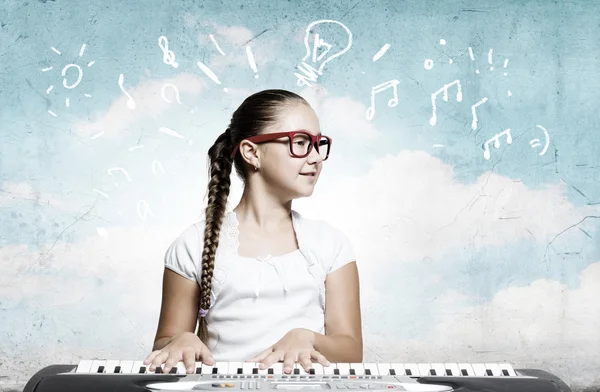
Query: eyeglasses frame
[{"x": 267, "y": 137}]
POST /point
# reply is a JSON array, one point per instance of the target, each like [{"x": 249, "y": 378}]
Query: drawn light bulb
[{"x": 322, "y": 48}]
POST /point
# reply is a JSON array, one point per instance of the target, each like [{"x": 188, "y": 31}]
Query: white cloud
[
  {"x": 149, "y": 104},
  {"x": 11, "y": 192},
  {"x": 411, "y": 206},
  {"x": 542, "y": 325}
]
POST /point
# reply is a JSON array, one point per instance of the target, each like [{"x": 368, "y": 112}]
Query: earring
[{"x": 255, "y": 168}]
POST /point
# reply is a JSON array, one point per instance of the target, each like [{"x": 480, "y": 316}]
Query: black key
[
  {"x": 368, "y": 372},
  {"x": 255, "y": 371},
  {"x": 505, "y": 372},
  {"x": 311, "y": 371},
  {"x": 489, "y": 372},
  {"x": 173, "y": 370},
  {"x": 432, "y": 372},
  {"x": 118, "y": 369},
  {"x": 158, "y": 370},
  {"x": 408, "y": 372},
  {"x": 352, "y": 372},
  {"x": 142, "y": 369},
  {"x": 270, "y": 371},
  {"x": 101, "y": 369},
  {"x": 448, "y": 372},
  {"x": 296, "y": 371},
  {"x": 199, "y": 370},
  {"x": 392, "y": 372},
  {"x": 240, "y": 371},
  {"x": 336, "y": 371},
  {"x": 464, "y": 372},
  {"x": 215, "y": 370}
]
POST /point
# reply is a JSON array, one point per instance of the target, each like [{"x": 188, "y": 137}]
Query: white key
[
  {"x": 328, "y": 370},
  {"x": 110, "y": 365},
  {"x": 135, "y": 369},
  {"x": 359, "y": 369},
  {"x": 207, "y": 369},
  {"x": 84, "y": 366},
  {"x": 277, "y": 368},
  {"x": 383, "y": 369},
  {"x": 454, "y": 370},
  {"x": 344, "y": 368},
  {"x": 398, "y": 369},
  {"x": 126, "y": 366},
  {"x": 264, "y": 371},
  {"x": 467, "y": 367},
  {"x": 234, "y": 366},
  {"x": 372, "y": 367},
  {"x": 424, "y": 369},
  {"x": 496, "y": 372},
  {"x": 222, "y": 367},
  {"x": 440, "y": 369},
  {"x": 508, "y": 368},
  {"x": 300, "y": 371},
  {"x": 96, "y": 365},
  {"x": 413, "y": 368},
  {"x": 479, "y": 369},
  {"x": 248, "y": 366}
]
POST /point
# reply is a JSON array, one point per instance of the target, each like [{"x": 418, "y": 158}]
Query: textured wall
[{"x": 477, "y": 237}]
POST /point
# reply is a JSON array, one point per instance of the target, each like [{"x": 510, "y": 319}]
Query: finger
[
  {"x": 151, "y": 356},
  {"x": 289, "y": 360},
  {"x": 320, "y": 358},
  {"x": 189, "y": 360},
  {"x": 304, "y": 360},
  {"x": 206, "y": 356},
  {"x": 262, "y": 355},
  {"x": 172, "y": 360},
  {"x": 270, "y": 359},
  {"x": 158, "y": 360}
]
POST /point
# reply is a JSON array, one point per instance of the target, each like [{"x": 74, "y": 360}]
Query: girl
[{"x": 258, "y": 277}]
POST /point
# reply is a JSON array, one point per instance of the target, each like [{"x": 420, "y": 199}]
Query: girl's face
[{"x": 288, "y": 176}]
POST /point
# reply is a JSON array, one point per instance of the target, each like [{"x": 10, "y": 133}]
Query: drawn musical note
[
  {"x": 433, "y": 119},
  {"x": 370, "y": 113},
  {"x": 168, "y": 55},
  {"x": 473, "y": 107},
  {"x": 164, "y": 97},
  {"x": 156, "y": 164},
  {"x": 111, "y": 170},
  {"x": 535, "y": 143},
  {"x": 496, "y": 140},
  {"x": 143, "y": 210},
  {"x": 130, "y": 101}
]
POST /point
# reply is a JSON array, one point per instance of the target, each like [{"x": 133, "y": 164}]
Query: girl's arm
[{"x": 342, "y": 341}]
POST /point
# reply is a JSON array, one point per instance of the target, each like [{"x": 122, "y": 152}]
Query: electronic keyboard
[{"x": 133, "y": 376}]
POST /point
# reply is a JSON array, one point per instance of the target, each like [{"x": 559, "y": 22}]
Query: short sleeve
[
  {"x": 341, "y": 249},
  {"x": 184, "y": 253}
]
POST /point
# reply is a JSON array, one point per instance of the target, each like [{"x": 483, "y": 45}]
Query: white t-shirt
[{"x": 256, "y": 301}]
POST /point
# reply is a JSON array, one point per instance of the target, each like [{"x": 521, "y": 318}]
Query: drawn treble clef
[{"x": 168, "y": 55}]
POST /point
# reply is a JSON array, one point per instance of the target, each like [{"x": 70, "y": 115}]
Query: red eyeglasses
[{"x": 300, "y": 142}]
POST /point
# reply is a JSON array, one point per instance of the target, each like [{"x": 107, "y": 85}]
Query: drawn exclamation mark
[
  {"x": 251, "y": 61},
  {"x": 505, "y": 64},
  {"x": 490, "y": 59},
  {"x": 472, "y": 58}
]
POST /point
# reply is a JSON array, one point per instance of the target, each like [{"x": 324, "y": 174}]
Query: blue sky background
[{"x": 460, "y": 257}]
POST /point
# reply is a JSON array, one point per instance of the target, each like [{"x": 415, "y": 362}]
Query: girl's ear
[{"x": 249, "y": 152}]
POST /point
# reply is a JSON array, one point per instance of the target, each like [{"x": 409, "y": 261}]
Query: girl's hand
[
  {"x": 186, "y": 347},
  {"x": 296, "y": 346}
]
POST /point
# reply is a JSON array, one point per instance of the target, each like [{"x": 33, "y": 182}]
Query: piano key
[
  {"x": 383, "y": 369},
  {"x": 110, "y": 365},
  {"x": 466, "y": 369},
  {"x": 507, "y": 369},
  {"x": 494, "y": 368},
  {"x": 126, "y": 366},
  {"x": 358, "y": 368},
  {"x": 84, "y": 366},
  {"x": 439, "y": 369},
  {"x": 329, "y": 370},
  {"x": 411, "y": 369},
  {"x": 479, "y": 369},
  {"x": 424, "y": 369},
  {"x": 222, "y": 367},
  {"x": 248, "y": 367},
  {"x": 97, "y": 366},
  {"x": 277, "y": 368},
  {"x": 452, "y": 370},
  {"x": 318, "y": 368},
  {"x": 207, "y": 369},
  {"x": 299, "y": 370},
  {"x": 180, "y": 368},
  {"x": 344, "y": 368},
  {"x": 264, "y": 371},
  {"x": 138, "y": 366},
  {"x": 234, "y": 366},
  {"x": 371, "y": 369}
]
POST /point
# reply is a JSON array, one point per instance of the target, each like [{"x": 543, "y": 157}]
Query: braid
[{"x": 218, "y": 191}]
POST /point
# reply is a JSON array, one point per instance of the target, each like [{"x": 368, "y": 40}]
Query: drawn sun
[{"x": 64, "y": 71}]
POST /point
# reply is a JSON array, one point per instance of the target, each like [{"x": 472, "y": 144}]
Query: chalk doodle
[
  {"x": 496, "y": 140},
  {"x": 208, "y": 72},
  {"x": 370, "y": 113},
  {"x": 535, "y": 143},
  {"x": 156, "y": 165},
  {"x": 433, "y": 119},
  {"x": 212, "y": 38},
  {"x": 130, "y": 101},
  {"x": 168, "y": 55},
  {"x": 119, "y": 169},
  {"x": 170, "y": 132},
  {"x": 310, "y": 72},
  {"x": 175, "y": 89},
  {"x": 381, "y": 52},
  {"x": 143, "y": 210},
  {"x": 251, "y": 61},
  {"x": 66, "y": 68},
  {"x": 474, "y": 113}
]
